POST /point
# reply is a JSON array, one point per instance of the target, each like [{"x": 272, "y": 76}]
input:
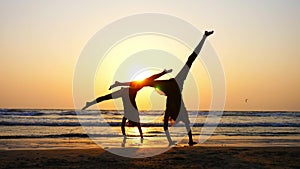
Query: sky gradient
[{"x": 257, "y": 41}]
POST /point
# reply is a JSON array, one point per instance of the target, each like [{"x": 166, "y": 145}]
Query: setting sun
[{"x": 142, "y": 74}]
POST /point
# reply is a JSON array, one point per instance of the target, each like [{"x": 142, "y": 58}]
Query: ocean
[{"x": 54, "y": 129}]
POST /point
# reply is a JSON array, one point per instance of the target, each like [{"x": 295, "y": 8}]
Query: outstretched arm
[
  {"x": 117, "y": 83},
  {"x": 153, "y": 77}
]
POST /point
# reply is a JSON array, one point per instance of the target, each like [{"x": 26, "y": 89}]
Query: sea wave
[
  {"x": 258, "y": 124},
  {"x": 58, "y": 136},
  {"x": 37, "y": 112},
  {"x": 29, "y": 112},
  {"x": 159, "y": 134},
  {"x": 22, "y": 113}
]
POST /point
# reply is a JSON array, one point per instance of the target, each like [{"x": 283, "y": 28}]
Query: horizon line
[{"x": 201, "y": 110}]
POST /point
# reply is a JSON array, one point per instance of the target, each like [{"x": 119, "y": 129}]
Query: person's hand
[
  {"x": 168, "y": 71},
  {"x": 114, "y": 85}
]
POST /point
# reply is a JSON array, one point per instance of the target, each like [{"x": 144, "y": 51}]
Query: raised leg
[
  {"x": 98, "y": 100},
  {"x": 113, "y": 95},
  {"x": 181, "y": 76}
]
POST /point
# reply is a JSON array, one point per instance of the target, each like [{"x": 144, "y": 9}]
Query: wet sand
[{"x": 177, "y": 157}]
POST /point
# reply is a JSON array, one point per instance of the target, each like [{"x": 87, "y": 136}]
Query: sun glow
[{"x": 142, "y": 75}]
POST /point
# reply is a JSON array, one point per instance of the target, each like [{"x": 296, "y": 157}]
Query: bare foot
[
  {"x": 173, "y": 143},
  {"x": 207, "y": 33},
  {"x": 192, "y": 143},
  {"x": 88, "y": 104},
  {"x": 168, "y": 71}
]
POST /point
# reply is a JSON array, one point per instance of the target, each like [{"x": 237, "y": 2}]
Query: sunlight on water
[{"x": 48, "y": 129}]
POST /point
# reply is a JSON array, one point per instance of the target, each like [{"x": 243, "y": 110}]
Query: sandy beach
[{"x": 177, "y": 157}]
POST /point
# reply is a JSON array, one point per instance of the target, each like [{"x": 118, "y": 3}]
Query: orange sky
[{"x": 257, "y": 42}]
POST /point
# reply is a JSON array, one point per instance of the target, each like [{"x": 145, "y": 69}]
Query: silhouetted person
[
  {"x": 172, "y": 88},
  {"x": 128, "y": 95}
]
